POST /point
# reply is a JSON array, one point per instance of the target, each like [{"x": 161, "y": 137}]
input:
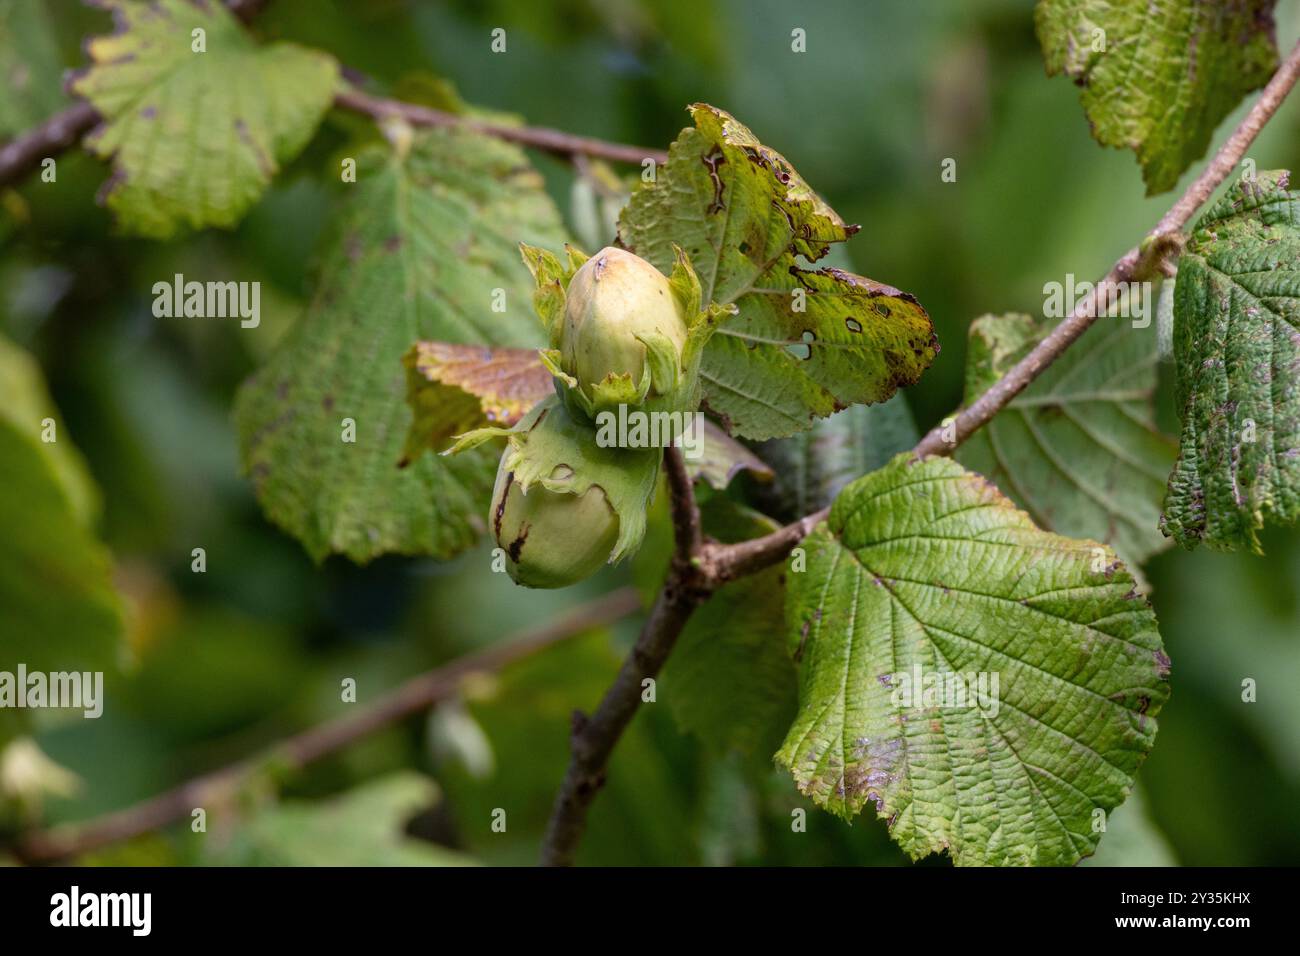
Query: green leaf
[
  {"x": 58, "y": 608},
  {"x": 362, "y": 827},
  {"x": 418, "y": 253},
  {"x": 1158, "y": 78},
  {"x": 31, "y": 81},
  {"x": 1078, "y": 449},
  {"x": 25, "y": 404},
  {"x": 1237, "y": 349},
  {"x": 924, "y": 565},
  {"x": 730, "y": 816},
  {"x": 743, "y": 215},
  {"x": 196, "y": 136},
  {"x": 730, "y": 680}
]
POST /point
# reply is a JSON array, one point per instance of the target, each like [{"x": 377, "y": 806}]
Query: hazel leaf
[
  {"x": 986, "y": 686},
  {"x": 1158, "y": 78},
  {"x": 196, "y": 135},
  {"x": 1079, "y": 448},
  {"x": 1237, "y": 351},
  {"x": 416, "y": 253},
  {"x": 802, "y": 343}
]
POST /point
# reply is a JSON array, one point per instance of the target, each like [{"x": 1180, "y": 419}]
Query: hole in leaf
[{"x": 803, "y": 350}]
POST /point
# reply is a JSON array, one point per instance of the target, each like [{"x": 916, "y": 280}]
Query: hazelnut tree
[{"x": 1005, "y": 541}]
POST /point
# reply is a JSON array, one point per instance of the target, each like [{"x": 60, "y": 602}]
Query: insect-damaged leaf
[
  {"x": 804, "y": 343},
  {"x": 196, "y": 137},
  {"x": 1158, "y": 78},
  {"x": 1078, "y": 449},
  {"x": 424, "y": 249},
  {"x": 924, "y": 571},
  {"x": 1237, "y": 348}
]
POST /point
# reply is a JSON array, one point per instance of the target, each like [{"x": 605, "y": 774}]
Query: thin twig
[
  {"x": 547, "y": 140},
  {"x": 686, "y": 516},
  {"x": 593, "y": 738},
  {"x": 62, "y": 131},
  {"x": 729, "y": 561},
  {"x": 416, "y": 695},
  {"x": 1138, "y": 263}
]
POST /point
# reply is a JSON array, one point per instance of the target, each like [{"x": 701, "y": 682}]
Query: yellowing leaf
[
  {"x": 195, "y": 137},
  {"x": 455, "y": 388}
]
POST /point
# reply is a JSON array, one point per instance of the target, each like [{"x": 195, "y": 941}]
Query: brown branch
[
  {"x": 1138, "y": 263},
  {"x": 725, "y": 562},
  {"x": 722, "y": 563},
  {"x": 62, "y": 131},
  {"x": 547, "y": 140},
  {"x": 593, "y": 738},
  {"x": 686, "y": 516},
  {"x": 414, "y": 696}
]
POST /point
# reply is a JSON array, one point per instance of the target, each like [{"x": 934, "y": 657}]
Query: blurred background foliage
[{"x": 224, "y": 662}]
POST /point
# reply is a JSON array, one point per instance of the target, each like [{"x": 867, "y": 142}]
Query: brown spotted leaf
[
  {"x": 426, "y": 248},
  {"x": 805, "y": 342},
  {"x": 1237, "y": 346},
  {"x": 196, "y": 135}
]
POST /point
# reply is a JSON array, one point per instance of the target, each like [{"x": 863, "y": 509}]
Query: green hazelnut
[
  {"x": 551, "y": 539},
  {"x": 614, "y": 302}
]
